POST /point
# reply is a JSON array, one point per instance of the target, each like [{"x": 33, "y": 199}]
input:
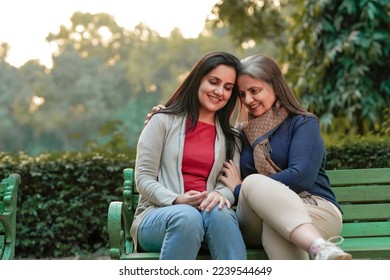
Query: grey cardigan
[{"x": 158, "y": 165}]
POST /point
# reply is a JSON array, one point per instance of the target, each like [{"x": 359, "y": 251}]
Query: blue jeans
[{"x": 177, "y": 232}]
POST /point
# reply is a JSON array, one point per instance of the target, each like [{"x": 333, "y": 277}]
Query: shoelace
[
  {"x": 329, "y": 246},
  {"x": 340, "y": 238}
]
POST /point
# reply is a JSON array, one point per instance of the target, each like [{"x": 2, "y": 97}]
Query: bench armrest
[
  {"x": 8, "y": 201},
  {"x": 118, "y": 226}
]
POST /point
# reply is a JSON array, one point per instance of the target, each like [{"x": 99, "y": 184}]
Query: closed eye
[
  {"x": 255, "y": 90},
  {"x": 213, "y": 81},
  {"x": 252, "y": 91},
  {"x": 229, "y": 87}
]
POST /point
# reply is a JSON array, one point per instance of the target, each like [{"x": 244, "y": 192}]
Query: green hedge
[
  {"x": 63, "y": 201},
  {"x": 63, "y": 198},
  {"x": 357, "y": 152}
]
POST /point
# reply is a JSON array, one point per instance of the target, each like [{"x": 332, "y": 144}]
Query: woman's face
[
  {"x": 256, "y": 95},
  {"x": 215, "y": 89}
]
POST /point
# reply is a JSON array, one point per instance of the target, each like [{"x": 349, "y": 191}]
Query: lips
[
  {"x": 214, "y": 99},
  {"x": 255, "y": 109}
]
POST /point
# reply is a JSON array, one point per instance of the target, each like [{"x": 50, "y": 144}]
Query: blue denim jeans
[{"x": 177, "y": 232}]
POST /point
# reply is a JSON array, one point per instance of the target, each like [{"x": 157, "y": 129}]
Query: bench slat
[
  {"x": 252, "y": 254},
  {"x": 366, "y": 212},
  {"x": 378, "y": 247},
  {"x": 366, "y": 193},
  {"x": 359, "y": 176},
  {"x": 366, "y": 229}
]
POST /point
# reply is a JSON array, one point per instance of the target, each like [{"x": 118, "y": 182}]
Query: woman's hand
[
  {"x": 154, "y": 110},
  {"x": 229, "y": 175},
  {"x": 193, "y": 198},
  {"x": 212, "y": 200}
]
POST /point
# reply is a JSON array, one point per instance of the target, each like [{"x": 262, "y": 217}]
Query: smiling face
[
  {"x": 257, "y": 96},
  {"x": 215, "y": 90}
]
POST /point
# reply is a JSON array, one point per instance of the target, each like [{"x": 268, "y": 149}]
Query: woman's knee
[
  {"x": 224, "y": 218},
  {"x": 188, "y": 219},
  {"x": 218, "y": 215},
  {"x": 255, "y": 183}
]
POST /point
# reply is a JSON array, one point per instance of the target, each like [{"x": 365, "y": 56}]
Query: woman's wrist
[{"x": 236, "y": 191}]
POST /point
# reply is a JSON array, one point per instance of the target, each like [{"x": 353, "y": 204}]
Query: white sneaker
[{"x": 330, "y": 251}]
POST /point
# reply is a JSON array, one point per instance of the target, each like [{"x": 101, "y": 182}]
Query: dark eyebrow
[{"x": 215, "y": 77}]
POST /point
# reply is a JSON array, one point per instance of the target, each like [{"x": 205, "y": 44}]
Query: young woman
[
  {"x": 285, "y": 201},
  {"x": 180, "y": 155}
]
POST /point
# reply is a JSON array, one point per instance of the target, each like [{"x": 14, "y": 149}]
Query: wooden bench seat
[
  {"x": 8, "y": 199},
  {"x": 364, "y": 195}
]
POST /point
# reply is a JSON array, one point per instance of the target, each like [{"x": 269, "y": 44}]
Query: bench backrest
[{"x": 364, "y": 196}]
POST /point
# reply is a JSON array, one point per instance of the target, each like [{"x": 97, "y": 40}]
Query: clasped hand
[{"x": 203, "y": 200}]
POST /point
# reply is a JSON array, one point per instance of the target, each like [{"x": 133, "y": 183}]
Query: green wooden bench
[
  {"x": 364, "y": 195},
  {"x": 8, "y": 198}
]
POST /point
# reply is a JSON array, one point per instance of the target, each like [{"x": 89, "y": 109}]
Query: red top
[{"x": 198, "y": 156}]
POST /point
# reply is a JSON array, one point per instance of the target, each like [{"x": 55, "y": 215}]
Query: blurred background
[
  {"x": 78, "y": 77},
  {"x": 100, "y": 78}
]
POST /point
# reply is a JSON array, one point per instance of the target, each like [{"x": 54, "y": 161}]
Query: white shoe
[{"x": 330, "y": 251}]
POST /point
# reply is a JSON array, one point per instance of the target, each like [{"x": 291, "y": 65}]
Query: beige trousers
[{"x": 268, "y": 211}]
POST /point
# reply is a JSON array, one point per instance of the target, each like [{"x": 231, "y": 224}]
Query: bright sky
[{"x": 24, "y": 24}]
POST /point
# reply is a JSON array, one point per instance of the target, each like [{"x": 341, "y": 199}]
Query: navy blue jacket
[{"x": 297, "y": 147}]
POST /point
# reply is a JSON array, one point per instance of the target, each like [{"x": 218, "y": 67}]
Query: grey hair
[{"x": 265, "y": 69}]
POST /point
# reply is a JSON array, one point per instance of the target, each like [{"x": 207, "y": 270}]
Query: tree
[
  {"x": 337, "y": 53},
  {"x": 10, "y": 83},
  {"x": 4, "y": 49},
  {"x": 103, "y": 82},
  {"x": 343, "y": 53},
  {"x": 254, "y": 23},
  {"x": 92, "y": 35},
  {"x": 88, "y": 94}
]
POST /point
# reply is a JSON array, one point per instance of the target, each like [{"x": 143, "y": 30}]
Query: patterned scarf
[{"x": 257, "y": 130}]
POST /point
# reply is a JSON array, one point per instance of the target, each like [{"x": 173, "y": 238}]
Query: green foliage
[
  {"x": 357, "y": 151},
  {"x": 63, "y": 201},
  {"x": 255, "y": 26},
  {"x": 339, "y": 54},
  {"x": 10, "y": 83},
  {"x": 251, "y": 20},
  {"x": 92, "y": 35}
]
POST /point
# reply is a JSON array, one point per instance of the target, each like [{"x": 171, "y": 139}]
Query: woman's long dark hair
[{"x": 185, "y": 99}]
